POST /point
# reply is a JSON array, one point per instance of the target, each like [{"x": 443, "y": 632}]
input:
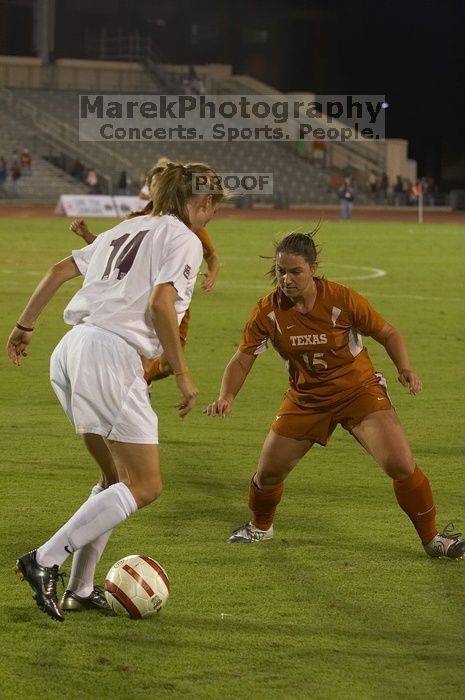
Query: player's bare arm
[
  {"x": 213, "y": 265},
  {"x": 165, "y": 323},
  {"x": 395, "y": 346},
  {"x": 234, "y": 376},
  {"x": 21, "y": 335}
]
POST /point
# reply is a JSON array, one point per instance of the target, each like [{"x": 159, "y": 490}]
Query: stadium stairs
[{"x": 46, "y": 182}]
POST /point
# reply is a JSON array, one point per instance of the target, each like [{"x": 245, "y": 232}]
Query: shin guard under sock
[
  {"x": 263, "y": 505},
  {"x": 416, "y": 500}
]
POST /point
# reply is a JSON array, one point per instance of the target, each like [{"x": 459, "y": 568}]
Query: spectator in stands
[
  {"x": 384, "y": 186},
  {"x": 92, "y": 182},
  {"x": 346, "y": 197},
  {"x": 15, "y": 174},
  {"x": 335, "y": 181},
  {"x": 123, "y": 183},
  {"x": 410, "y": 196},
  {"x": 77, "y": 170},
  {"x": 319, "y": 153},
  {"x": 3, "y": 176},
  {"x": 399, "y": 197},
  {"x": 372, "y": 184},
  {"x": 415, "y": 192},
  {"x": 15, "y": 159},
  {"x": 25, "y": 162},
  {"x": 429, "y": 190},
  {"x": 193, "y": 84}
]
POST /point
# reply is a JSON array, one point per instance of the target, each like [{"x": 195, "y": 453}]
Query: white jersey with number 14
[{"x": 120, "y": 269}]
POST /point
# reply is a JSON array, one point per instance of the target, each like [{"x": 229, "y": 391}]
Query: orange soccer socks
[
  {"x": 415, "y": 498},
  {"x": 263, "y": 504}
]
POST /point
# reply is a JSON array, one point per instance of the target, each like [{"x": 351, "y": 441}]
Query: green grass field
[{"x": 342, "y": 604}]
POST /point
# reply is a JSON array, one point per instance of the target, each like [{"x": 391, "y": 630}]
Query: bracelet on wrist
[
  {"x": 184, "y": 371},
  {"x": 23, "y": 328}
]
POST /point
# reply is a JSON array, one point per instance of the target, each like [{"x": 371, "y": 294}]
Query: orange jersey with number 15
[{"x": 323, "y": 349}]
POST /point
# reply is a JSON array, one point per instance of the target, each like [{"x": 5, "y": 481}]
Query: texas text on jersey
[{"x": 323, "y": 349}]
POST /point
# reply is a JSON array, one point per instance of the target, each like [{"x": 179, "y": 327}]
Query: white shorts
[{"x": 99, "y": 380}]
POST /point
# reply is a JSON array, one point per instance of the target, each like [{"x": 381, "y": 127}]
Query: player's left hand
[
  {"x": 220, "y": 407},
  {"x": 79, "y": 227},
  {"x": 17, "y": 344},
  {"x": 409, "y": 379}
]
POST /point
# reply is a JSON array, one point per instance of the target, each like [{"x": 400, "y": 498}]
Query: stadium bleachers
[
  {"x": 45, "y": 182},
  {"x": 293, "y": 175}
]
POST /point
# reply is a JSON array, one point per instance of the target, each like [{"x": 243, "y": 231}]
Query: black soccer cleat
[
  {"x": 43, "y": 581},
  {"x": 71, "y": 602}
]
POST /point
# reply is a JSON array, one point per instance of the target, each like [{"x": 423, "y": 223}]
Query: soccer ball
[{"x": 137, "y": 586}]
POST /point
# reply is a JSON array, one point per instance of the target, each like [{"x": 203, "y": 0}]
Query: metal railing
[
  {"x": 64, "y": 136},
  {"x": 134, "y": 48}
]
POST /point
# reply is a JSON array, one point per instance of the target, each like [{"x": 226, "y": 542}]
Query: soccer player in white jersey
[{"x": 138, "y": 282}]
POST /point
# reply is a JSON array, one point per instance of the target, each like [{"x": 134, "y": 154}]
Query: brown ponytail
[
  {"x": 295, "y": 243},
  {"x": 141, "y": 212},
  {"x": 156, "y": 169}
]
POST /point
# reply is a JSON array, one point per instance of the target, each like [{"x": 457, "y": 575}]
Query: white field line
[
  {"x": 20, "y": 272},
  {"x": 266, "y": 289},
  {"x": 374, "y": 272},
  {"x": 415, "y": 297},
  {"x": 371, "y": 272}
]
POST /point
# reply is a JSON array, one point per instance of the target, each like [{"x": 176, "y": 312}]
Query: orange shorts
[
  {"x": 152, "y": 370},
  {"x": 183, "y": 327},
  {"x": 300, "y": 423}
]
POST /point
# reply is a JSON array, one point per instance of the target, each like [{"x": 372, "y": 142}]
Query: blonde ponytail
[{"x": 171, "y": 189}]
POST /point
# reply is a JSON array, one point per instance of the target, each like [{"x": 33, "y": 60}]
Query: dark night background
[{"x": 411, "y": 51}]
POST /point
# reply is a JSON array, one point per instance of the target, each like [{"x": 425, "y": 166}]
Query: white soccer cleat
[
  {"x": 248, "y": 533},
  {"x": 447, "y": 544}
]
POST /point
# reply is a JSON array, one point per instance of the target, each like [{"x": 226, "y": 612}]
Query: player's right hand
[
  {"x": 17, "y": 344},
  {"x": 220, "y": 407},
  {"x": 409, "y": 379},
  {"x": 189, "y": 394}
]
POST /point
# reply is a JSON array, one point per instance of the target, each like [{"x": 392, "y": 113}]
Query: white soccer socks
[
  {"x": 85, "y": 560},
  {"x": 97, "y": 516}
]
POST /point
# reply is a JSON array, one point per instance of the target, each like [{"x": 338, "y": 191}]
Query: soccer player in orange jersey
[
  {"x": 317, "y": 326},
  {"x": 160, "y": 368}
]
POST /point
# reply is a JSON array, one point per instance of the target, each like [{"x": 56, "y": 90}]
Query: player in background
[
  {"x": 159, "y": 368},
  {"x": 317, "y": 326},
  {"x": 138, "y": 282}
]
